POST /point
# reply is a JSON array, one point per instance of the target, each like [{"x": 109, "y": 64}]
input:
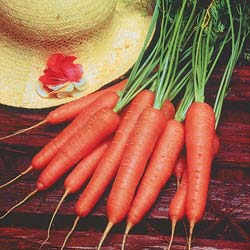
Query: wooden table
[{"x": 225, "y": 224}]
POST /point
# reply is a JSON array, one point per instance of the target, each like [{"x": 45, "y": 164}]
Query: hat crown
[{"x": 53, "y": 19}]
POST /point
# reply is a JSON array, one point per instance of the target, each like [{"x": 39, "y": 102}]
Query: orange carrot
[
  {"x": 140, "y": 146},
  {"x": 182, "y": 160},
  {"x": 80, "y": 174},
  {"x": 199, "y": 127},
  {"x": 159, "y": 170},
  {"x": 179, "y": 167},
  {"x": 42, "y": 158},
  {"x": 102, "y": 124},
  {"x": 70, "y": 110},
  {"x": 85, "y": 168},
  {"x": 110, "y": 161},
  {"x": 108, "y": 166},
  {"x": 177, "y": 205},
  {"x": 109, "y": 100}
]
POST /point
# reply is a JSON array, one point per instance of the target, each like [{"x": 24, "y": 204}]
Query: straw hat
[{"x": 105, "y": 36}]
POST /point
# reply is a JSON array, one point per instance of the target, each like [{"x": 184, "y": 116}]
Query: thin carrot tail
[
  {"x": 172, "y": 234},
  {"x": 104, "y": 235},
  {"x": 70, "y": 232},
  {"x": 17, "y": 177},
  {"x": 53, "y": 217},
  {"x": 127, "y": 229},
  {"x": 191, "y": 229},
  {"x": 19, "y": 203},
  {"x": 21, "y": 131}
]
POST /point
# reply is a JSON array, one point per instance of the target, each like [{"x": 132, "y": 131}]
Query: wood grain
[{"x": 25, "y": 238}]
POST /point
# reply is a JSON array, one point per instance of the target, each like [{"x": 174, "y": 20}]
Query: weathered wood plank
[
  {"x": 25, "y": 238},
  {"x": 232, "y": 196}
]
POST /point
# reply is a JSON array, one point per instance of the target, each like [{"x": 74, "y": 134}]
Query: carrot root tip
[
  {"x": 104, "y": 235},
  {"x": 19, "y": 203},
  {"x": 21, "y": 131},
  {"x": 191, "y": 229},
  {"x": 17, "y": 177},
  {"x": 53, "y": 217},
  {"x": 127, "y": 229},
  {"x": 70, "y": 232},
  {"x": 172, "y": 234}
]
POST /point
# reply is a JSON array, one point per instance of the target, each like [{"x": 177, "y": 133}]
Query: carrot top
[
  {"x": 210, "y": 37},
  {"x": 171, "y": 54},
  {"x": 141, "y": 74},
  {"x": 174, "y": 66}
]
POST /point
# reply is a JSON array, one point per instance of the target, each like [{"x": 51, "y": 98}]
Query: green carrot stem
[
  {"x": 208, "y": 46},
  {"x": 132, "y": 86},
  {"x": 175, "y": 55},
  {"x": 185, "y": 102}
]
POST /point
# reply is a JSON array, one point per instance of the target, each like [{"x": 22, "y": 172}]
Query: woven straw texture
[{"x": 105, "y": 35}]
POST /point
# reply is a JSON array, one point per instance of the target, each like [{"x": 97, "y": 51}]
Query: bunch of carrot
[
  {"x": 129, "y": 135},
  {"x": 202, "y": 143}
]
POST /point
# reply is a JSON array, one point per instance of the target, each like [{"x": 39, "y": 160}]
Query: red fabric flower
[{"x": 61, "y": 69}]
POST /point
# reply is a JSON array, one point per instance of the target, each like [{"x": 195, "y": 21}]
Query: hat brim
[{"x": 105, "y": 56}]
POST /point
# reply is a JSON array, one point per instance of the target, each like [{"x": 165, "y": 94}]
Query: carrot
[
  {"x": 141, "y": 143},
  {"x": 177, "y": 205},
  {"x": 182, "y": 160},
  {"x": 200, "y": 122},
  {"x": 102, "y": 124},
  {"x": 108, "y": 166},
  {"x": 110, "y": 161},
  {"x": 42, "y": 158},
  {"x": 140, "y": 77},
  {"x": 179, "y": 167},
  {"x": 140, "y": 146},
  {"x": 70, "y": 110},
  {"x": 166, "y": 89},
  {"x": 109, "y": 100},
  {"x": 199, "y": 127},
  {"x": 159, "y": 170},
  {"x": 85, "y": 168},
  {"x": 80, "y": 174}
]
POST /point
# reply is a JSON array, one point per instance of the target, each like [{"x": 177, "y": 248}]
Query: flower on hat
[{"x": 62, "y": 77}]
